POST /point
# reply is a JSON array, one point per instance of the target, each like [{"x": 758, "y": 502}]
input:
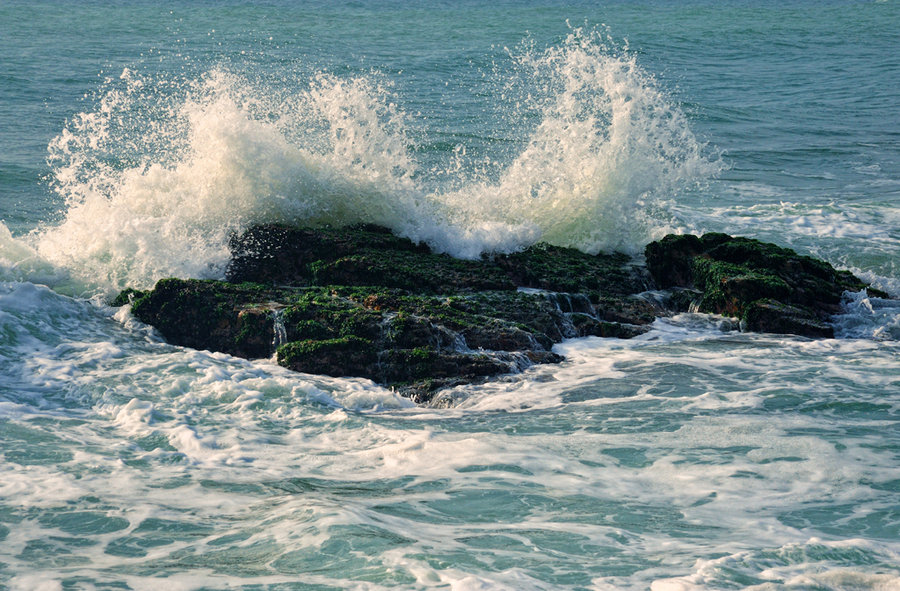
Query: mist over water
[{"x": 163, "y": 170}]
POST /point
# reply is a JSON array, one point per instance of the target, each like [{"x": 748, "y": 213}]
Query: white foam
[
  {"x": 815, "y": 564},
  {"x": 19, "y": 262},
  {"x": 868, "y": 317},
  {"x": 35, "y": 582},
  {"x": 608, "y": 146},
  {"x": 163, "y": 171},
  {"x": 286, "y": 464}
]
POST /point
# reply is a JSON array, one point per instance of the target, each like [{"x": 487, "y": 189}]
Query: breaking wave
[{"x": 161, "y": 172}]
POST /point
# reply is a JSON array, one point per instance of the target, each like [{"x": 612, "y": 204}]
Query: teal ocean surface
[{"x": 135, "y": 138}]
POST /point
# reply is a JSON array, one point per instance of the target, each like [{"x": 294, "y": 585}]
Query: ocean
[{"x": 136, "y": 138}]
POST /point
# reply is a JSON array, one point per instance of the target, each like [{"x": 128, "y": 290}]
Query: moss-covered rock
[
  {"x": 772, "y": 316},
  {"x": 392, "y": 336},
  {"x": 567, "y": 270},
  {"x": 274, "y": 253},
  {"x": 421, "y": 363},
  {"x": 343, "y": 356},
  {"x": 363, "y": 255},
  {"x": 671, "y": 259},
  {"x": 366, "y": 255},
  {"x": 733, "y": 274},
  {"x": 360, "y": 301},
  {"x": 210, "y": 315},
  {"x": 727, "y": 287},
  {"x": 127, "y": 297},
  {"x": 318, "y": 313}
]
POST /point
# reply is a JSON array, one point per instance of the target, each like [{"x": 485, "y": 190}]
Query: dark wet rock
[
  {"x": 358, "y": 256},
  {"x": 589, "y": 326},
  {"x": 210, "y": 315},
  {"x": 367, "y": 255},
  {"x": 772, "y": 316},
  {"x": 410, "y": 365},
  {"x": 416, "y": 343},
  {"x": 362, "y": 302},
  {"x": 753, "y": 280},
  {"x": 632, "y": 309},
  {"x": 567, "y": 270},
  {"x": 342, "y": 356}
]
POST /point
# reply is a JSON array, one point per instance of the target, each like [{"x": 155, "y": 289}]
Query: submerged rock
[{"x": 362, "y": 302}]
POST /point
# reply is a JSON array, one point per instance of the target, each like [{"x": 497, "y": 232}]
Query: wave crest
[{"x": 162, "y": 172}]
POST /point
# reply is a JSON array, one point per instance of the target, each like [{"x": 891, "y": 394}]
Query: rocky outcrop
[
  {"x": 772, "y": 289},
  {"x": 371, "y": 255},
  {"x": 416, "y": 343},
  {"x": 360, "y": 301}
]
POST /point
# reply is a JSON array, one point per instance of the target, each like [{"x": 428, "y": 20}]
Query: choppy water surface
[{"x": 136, "y": 139}]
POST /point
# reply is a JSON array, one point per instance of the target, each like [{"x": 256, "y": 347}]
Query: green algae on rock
[
  {"x": 417, "y": 343},
  {"x": 355, "y": 255},
  {"x": 370, "y": 255},
  {"x": 205, "y": 314},
  {"x": 771, "y": 288},
  {"x": 359, "y": 301}
]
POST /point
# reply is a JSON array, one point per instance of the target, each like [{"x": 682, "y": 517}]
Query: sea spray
[
  {"x": 163, "y": 171},
  {"x": 609, "y": 146}
]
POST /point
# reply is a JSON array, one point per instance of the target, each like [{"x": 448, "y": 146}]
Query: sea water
[{"x": 135, "y": 139}]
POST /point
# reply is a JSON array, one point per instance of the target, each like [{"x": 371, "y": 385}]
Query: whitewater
[{"x": 137, "y": 140}]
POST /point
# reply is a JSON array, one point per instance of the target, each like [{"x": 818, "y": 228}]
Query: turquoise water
[{"x": 135, "y": 139}]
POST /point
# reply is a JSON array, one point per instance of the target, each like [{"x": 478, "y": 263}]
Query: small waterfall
[
  {"x": 571, "y": 303},
  {"x": 673, "y": 301},
  {"x": 279, "y": 332},
  {"x": 453, "y": 341}
]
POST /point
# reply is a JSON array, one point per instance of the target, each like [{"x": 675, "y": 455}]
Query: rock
[
  {"x": 741, "y": 276},
  {"x": 588, "y": 326},
  {"x": 357, "y": 255},
  {"x": 567, "y": 270},
  {"x": 343, "y": 356},
  {"x": 211, "y": 315},
  {"x": 629, "y": 310},
  {"x": 366, "y": 255},
  {"x": 671, "y": 260},
  {"x": 772, "y": 316},
  {"x": 362, "y": 302},
  {"x": 388, "y": 335}
]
